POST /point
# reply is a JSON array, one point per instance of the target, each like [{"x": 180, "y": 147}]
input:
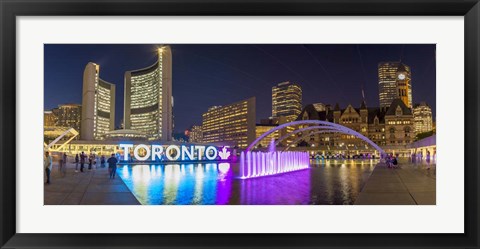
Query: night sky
[{"x": 207, "y": 75}]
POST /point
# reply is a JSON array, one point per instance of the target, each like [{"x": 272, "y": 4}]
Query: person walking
[
  {"x": 97, "y": 161},
  {"x": 77, "y": 160},
  {"x": 47, "y": 165},
  {"x": 112, "y": 166},
  {"x": 90, "y": 162},
  {"x": 82, "y": 161},
  {"x": 102, "y": 161},
  {"x": 63, "y": 165},
  {"x": 60, "y": 164},
  {"x": 428, "y": 159}
]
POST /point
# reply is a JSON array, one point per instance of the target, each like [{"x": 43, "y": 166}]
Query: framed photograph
[{"x": 266, "y": 124}]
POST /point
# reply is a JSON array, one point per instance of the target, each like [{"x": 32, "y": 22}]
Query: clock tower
[{"x": 404, "y": 85}]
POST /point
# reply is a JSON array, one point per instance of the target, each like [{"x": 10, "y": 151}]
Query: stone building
[{"x": 384, "y": 126}]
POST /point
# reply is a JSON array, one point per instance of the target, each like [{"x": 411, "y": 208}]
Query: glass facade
[
  {"x": 231, "y": 123},
  {"x": 103, "y": 105},
  {"x": 394, "y": 81},
  {"x": 422, "y": 115},
  {"x": 260, "y": 130},
  {"x": 146, "y": 96},
  {"x": 98, "y": 105},
  {"x": 196, "y": 134},
  {"x": 148, "y": 99},
  {"x": 286, "y": 101}
]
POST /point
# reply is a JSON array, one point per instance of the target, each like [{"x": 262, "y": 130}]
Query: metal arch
[
  {"x": 302, "y": 130},
  {"x": 71, "y": 130},
  {"x": 340, "y": 128}
]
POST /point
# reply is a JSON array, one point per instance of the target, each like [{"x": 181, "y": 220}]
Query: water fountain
[
  {"x": 257, "y": 164},
  {"x": 271, "y": 148}
]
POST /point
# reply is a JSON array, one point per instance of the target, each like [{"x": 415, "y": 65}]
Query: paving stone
[
  {"x": 407, "y": 185},
  {"x": 384, "y": 199},
  {"x": 88, "y": 188},
  {"x": 425, "y": 198}
]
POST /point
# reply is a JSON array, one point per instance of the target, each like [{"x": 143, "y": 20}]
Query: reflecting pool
[{"x": 325, "y": 182}]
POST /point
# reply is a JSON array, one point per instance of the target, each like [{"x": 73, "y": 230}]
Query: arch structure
[
  {"x": 320, "y": 125},
  {"x": 47, "y": 147}
]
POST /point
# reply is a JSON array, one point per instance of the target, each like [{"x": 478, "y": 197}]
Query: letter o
[
  {"x": 168, "y": 150},
  {"x": 207, "y": 153},
  {"x": 138, "y": 157}
]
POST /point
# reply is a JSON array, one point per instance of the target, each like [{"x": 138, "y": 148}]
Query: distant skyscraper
[
  {"x": 262, "y": 129},
  {"x": 68, "y": 115},
  {"x": 422, "y": 115},
  {"x": 196, "y": 134},
  {"x": 286, "y": 100},
  {"x": 231, "y": 123},
  {"x": 394, "y": 82},
  {"x": 148, "y": 98},
  {"x": 98, "y": 105}
]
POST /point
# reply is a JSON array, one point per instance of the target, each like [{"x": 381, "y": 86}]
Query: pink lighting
[{"x": 258, "y": 164}]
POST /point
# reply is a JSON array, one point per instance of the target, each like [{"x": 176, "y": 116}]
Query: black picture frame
[{"x": 10, "y": 9}]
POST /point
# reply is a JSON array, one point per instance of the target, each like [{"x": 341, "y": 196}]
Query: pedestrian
[
  {"x": 394, "y": 162},
  {"x": 97, "y": 161},
  {"x": 76, "y": 162},
  {"x": 112, "y": 166},
  {"x": 63, "y": 166},
  {"x": 60, "y": 164},
  {"x": 102, "y": 161},
  {"x": 90, "y": 162},
  {"x": 47, "y": 164},
  {"x": 428, "y": 160},
  {"x": 82, "y": 161}
]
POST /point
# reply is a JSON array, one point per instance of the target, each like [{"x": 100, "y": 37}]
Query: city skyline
[{"x": 236, "y": 72}]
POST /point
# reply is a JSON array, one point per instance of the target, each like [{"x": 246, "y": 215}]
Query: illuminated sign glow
[{"x": 174, "y": 152}]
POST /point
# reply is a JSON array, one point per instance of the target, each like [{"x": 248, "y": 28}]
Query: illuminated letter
[
  {"x": 207, "y": 153},
  {"x": 137, "y": 156},
  {"x": 224, "y": 154},
  {"x": 169, "y": 149},
  {"x": 200, "y": 149},
  {"x": 157, "y": 151},
  {"x": 126, "y": 150},
  {"x": 189, "y": 153}
]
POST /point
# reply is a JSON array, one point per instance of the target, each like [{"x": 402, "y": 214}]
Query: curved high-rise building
[
  {"x": 98, "y": 104},
  {"x": 148, "y": 98}
]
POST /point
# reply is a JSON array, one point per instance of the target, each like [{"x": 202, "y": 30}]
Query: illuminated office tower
[
  {"x": 231, "y": 123},
  {"x": 422, "y": 118},
  {"x": 68, "y": 115},
  {"x": 394, "y": 82},
  {"x": 196, "y": 134},
  {"x": 48, "y": 118},
  {"x": 262, "y": 129},
  {"x": 148, "y": 98},
  {"x": 98, "y": 105},
  {"x": 286, "y": 101}
]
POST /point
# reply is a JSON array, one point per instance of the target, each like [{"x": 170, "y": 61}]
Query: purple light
[{"x": 258, "y": 164}]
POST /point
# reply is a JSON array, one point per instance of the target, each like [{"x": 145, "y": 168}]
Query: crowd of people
[
  {"x": 81, "y": 160},
  {"x": 391, "y": 161}
]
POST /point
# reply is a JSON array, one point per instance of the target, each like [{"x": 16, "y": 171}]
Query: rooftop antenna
[
  {"x": 363, "y": 95},
  {"x": 401, "y": 55}
]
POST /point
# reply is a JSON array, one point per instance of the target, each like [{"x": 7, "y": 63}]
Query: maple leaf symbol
[{"x": 224, "y": 154}]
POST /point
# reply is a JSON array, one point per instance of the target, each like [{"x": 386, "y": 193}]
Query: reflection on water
[{"x": 326, "y": 182}]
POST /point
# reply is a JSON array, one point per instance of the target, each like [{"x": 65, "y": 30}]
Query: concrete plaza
[
  {"x": 89, "y": 188},
  {"x": 410, "y": 184}
]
